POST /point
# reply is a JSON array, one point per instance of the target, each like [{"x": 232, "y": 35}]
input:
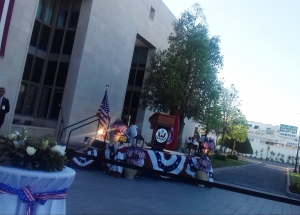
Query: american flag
[{"x": 103, "y": 111}]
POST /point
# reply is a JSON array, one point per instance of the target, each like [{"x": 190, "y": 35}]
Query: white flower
[
  {"x": 17, "y": 133},
  {"x": 12, "y": 136},
  {"x": 60, "y": 149},
  {"x": 30, "y": 150},
  {"x": 16, "y": 143}
]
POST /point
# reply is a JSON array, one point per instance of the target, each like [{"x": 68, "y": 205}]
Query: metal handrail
[
  {"x": 81, "y": 127},
  {"x": 61, "y": 132}
]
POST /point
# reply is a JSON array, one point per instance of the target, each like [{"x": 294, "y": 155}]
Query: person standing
[
  {"x": 4, "y": 105},
  {"x": 131, "y": 132}
]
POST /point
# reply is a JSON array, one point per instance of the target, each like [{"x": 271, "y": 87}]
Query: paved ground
[
  {"x": 261, "y": 175},
  {"x": 93, "y": 192}
]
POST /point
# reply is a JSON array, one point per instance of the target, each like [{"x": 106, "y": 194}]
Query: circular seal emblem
[{"x": 161, "y": 135}]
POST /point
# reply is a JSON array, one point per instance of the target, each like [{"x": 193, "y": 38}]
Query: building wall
[
  {"x": 12, "y": 64},
  {"x": 270, "y": 135},
  {"x": 102, "y": 54},
  {"x": 107, "y": 54}
]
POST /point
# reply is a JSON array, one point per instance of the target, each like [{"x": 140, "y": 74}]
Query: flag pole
[{"x": 107, "y": 86}]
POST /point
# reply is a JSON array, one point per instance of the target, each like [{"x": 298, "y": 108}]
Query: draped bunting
[
  {"x": 82, "y": 161},
  {"x": 27, "y": 196},
  {"x": 113, "y": 152}
]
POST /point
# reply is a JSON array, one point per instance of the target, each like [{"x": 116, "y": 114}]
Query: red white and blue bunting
[
  {"x": 192, "y": 167},
  {"x": 82, "y": 162},
  {"x": 113, "y": 152},
  {"x": 173, "y": 165}
]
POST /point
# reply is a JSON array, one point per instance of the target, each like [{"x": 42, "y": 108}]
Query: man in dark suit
[{"x": 4, "y": 105}]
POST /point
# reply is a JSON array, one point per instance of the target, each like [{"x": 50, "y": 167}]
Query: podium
[{"x": 161, "y": 124}]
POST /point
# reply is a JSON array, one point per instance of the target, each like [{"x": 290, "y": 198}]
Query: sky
[{"x": 260, "y": 43}]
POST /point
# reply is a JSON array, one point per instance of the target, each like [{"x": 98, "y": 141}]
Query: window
[
  {"x": 63, "y": 14},
  {"x": 135, "y": 82},
  {"x": 256, "y": 127},
  {"x": 152, "y": 13},
  {"x": 74, "y": 14},
  {"x": 45, "y": 74},
  {"x": 57, "y": 41}
]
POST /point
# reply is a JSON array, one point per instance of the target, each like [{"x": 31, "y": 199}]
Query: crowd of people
[{"x": 202, "y": 145}]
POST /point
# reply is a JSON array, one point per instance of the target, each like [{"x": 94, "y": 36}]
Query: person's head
[{"x": 2, "y": 91}]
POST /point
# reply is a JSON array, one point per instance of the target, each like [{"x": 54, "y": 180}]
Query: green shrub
[
  {"x": 220, "y": 157},
  {"x": 232, "y": 157}
]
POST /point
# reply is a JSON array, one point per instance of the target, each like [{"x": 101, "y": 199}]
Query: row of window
[
  {"x": 47, "y": 62},
  {"x": 291, "y": 143},
  {"x": 287, "y": 134}
]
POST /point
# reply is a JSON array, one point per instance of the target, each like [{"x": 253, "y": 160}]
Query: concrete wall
[
  {"x": 12, "y": 64},
  {"x": 110, "y": 34},
  {"x": 102, "y": 54}
]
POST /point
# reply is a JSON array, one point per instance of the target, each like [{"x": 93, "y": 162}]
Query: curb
[
  {"x": 232, "y": 167},
  {"x": 288, "y": 192}
]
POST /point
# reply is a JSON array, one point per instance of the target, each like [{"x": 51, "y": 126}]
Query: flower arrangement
[
  {"x": 204, "y": 164},
  {"x": 208, "y": 146},
  {"x": 32, "y": 153},
  {"x": 135, "y": 156},
  {"x": 118, "y": 127}
]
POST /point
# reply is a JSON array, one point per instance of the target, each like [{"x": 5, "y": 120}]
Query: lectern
[{"x": 161, "y": 124}]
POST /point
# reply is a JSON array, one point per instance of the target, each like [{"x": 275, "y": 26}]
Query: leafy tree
[
  {"x": 261, "y": 152},
  {"x": 293, "y": 157},
  {"x": 272, "y": 155},
  {"x": 237, "y": 129},
  {"x": 180, "y": 78},
  {"x": 229, "y": 104},
  {"x": 209, "y": 116},
  {"x": 288, "y": 159},
  {"x": 268, "y": 149},
  {"x": 241, "y": 147}
]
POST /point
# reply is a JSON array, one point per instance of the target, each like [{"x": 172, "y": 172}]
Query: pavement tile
[
  {"x": 295, "y": 209},
  {"x": 93, "y": 192},
  {"x": 266, "y": 211},
  {"x": 228, "y": 211},
  {"x": 242, "y": 210},
  {"x": 253, "y": 212}
]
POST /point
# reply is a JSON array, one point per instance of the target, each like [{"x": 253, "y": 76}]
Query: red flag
[{"x": 173, "y": 135}]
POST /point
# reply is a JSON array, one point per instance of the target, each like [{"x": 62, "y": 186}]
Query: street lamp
[{"x": 296, "y": 163}]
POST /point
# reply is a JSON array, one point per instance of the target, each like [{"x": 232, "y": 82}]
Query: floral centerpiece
[
  {"x": 32, "y": 153},
  {"x": 208, "y": 146},
  {"x": 117, "y": 129},
  {"x": 135, "y": 156},
  {"x": 204, "y": 165}
]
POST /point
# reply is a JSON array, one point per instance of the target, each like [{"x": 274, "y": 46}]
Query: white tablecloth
[{"x": 39, "y": 181}]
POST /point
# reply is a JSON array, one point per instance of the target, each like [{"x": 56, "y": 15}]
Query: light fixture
[{"x": 100, "y": 131}]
